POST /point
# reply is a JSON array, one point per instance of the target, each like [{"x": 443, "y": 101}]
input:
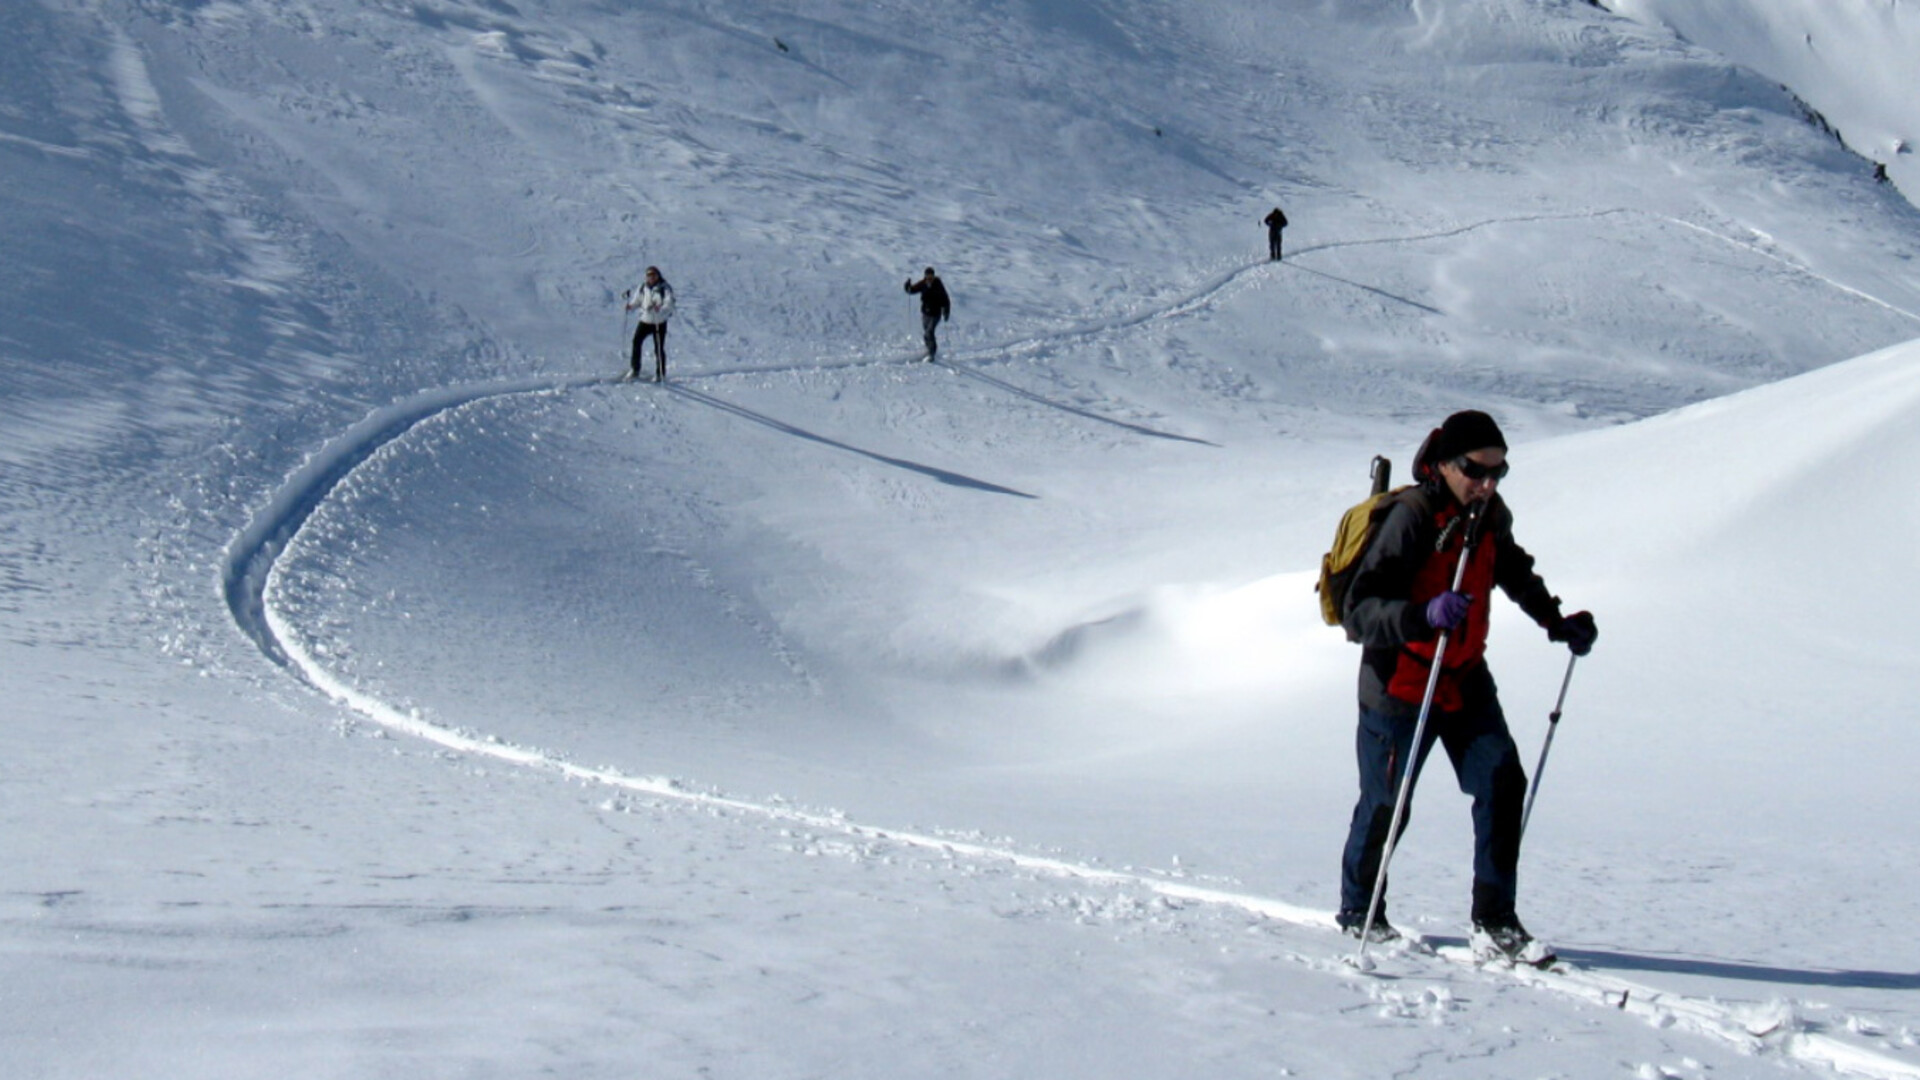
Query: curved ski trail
[{"x": 251, "y": 562}]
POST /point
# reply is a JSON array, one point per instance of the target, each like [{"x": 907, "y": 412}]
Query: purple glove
[
  {"x": 1578, "y": 631},
  {"x": 1445, "y": 611}
]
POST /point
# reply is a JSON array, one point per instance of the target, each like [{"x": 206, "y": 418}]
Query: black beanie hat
[{"x": 1463, "y": 433}]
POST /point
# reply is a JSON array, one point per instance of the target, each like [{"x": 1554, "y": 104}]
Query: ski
[{"x": 1497, "y": 961}]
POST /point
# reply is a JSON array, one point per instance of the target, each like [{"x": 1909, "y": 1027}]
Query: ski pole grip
[
  {"x": 1476, "y": 514},
  {"x": 1470, "y": 521}
]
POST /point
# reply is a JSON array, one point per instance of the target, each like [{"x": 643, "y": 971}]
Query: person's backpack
[
  {"x": 1350, "y": 540},
  {"x": 1341, "y": 562}
]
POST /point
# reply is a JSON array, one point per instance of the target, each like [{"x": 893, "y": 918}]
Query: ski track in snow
[{"x": 252, "y": 561}]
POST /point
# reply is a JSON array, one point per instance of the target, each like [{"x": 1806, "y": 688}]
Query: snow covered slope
[
  {"x": 1853, "y": 61},
  {"x": 392, "y": 693}
]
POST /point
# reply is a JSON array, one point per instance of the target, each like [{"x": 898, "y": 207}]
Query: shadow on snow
[
  {"x": 781, "y": 426},
  {"x": 1607, "y": 960}
]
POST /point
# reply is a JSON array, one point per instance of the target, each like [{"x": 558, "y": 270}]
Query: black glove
[{"x": 1577, "y": 630}]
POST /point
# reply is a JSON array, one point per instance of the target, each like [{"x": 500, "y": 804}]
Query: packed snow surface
[{"x": 394, "y": 691}]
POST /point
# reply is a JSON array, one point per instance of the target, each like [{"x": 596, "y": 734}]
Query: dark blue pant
[
  {"x": 927, "y": 325},
  {"x": 1488, "y": 767}
]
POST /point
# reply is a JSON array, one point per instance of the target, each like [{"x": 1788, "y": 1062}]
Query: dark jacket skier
[
  {"x": 934, "y": 306},
  {"x": 1275, "y": 221},
  {"x": 1400, "y": 600}
]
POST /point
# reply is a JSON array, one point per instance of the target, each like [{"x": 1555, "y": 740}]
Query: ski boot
[
  {"x": 1354, "y": 923},
  {"x": 1504, "y": 940}
]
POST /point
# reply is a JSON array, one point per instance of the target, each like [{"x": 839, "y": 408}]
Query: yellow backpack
[{"x": 1350, "y": 541}]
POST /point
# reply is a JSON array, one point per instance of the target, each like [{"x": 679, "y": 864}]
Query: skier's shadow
[
  {"x": 1601, "y": 960},
  {"x": 1075, "y": 410},
  {"x": 1396, "y": 298},
  {"x": 781, "y": 426}
]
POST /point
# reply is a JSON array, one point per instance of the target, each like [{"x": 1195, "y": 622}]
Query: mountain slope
[{"x": 305, "y": 328}]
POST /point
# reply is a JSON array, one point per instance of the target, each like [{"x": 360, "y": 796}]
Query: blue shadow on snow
[
  {"x": 942, "y": 475},
  {"x": 1603, "y": 960}
]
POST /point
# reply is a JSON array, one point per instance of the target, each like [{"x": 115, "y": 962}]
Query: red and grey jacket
[{"x": 1411, "y": 560}]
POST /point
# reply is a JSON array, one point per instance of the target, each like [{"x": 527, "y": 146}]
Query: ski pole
[
  {"x": 1553, "y": 724},
  {"x": 1413, "y": 752},
  {"x": 626, "y": 297}
]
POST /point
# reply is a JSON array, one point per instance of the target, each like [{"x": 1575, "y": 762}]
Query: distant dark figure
[
  {"x": 934, "y": 306},
  {"x": 1880, "y": 171},
  {"x": 654, "y": 301},
  {"x": 1274, "y": 222}
]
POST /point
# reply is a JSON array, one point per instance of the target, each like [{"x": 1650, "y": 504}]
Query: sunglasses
[{"x": 1473, "y": 470}]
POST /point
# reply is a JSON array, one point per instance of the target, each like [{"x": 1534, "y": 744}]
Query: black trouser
[
  {"x": 1273, "y": 243},
  {"x": 927, "y": 322},
  {"x": 658, "y": 332}
]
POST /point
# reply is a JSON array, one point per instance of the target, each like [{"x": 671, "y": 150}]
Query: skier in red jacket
[{"x": 1400, "y": 601}]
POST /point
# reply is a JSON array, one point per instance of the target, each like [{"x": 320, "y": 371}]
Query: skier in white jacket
[{"x": 653, "y": 299}]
